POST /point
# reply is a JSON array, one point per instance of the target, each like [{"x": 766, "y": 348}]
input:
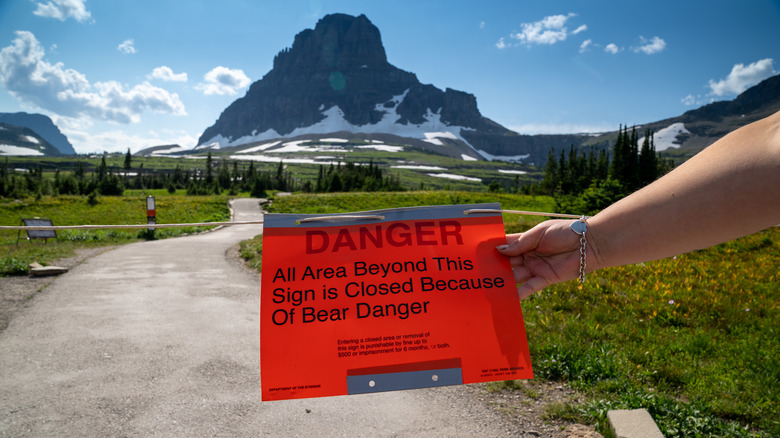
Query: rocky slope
[
  {"x": 44, "y": 127},
  {"x": 18, "y": 140}
]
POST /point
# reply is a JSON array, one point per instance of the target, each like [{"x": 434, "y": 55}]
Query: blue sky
[{"x": 119, "y": 74}]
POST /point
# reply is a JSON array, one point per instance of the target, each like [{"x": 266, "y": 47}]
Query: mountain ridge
[
  {"x": 339, "y": 70},
  {"x": 43, "y": 127},
  {"x": 20, "y": 140}
]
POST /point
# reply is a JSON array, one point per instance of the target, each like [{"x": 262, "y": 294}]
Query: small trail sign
[{"x": 38, "y": 234}]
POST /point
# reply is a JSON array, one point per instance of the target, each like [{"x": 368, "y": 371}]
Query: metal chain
[
  {"x": 581, "y": 227},
  {"x": 582, "y": 253}
]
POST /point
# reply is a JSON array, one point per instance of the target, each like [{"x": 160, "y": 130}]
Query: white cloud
[
  {"x": 127, "y": 47},
  {"x": 481, "y": 24},
  {"x": 164, "y": 73},
  {"x": 585, "y": 45},
  {"x": 612, "y": 49},
  {"x": 120, "y": 140},
  {"x": 64, "y": 9},
  {"x": 549, "y": 30},
  {"x": 223, "y": 81},
  {"x": 68, "y": 93},
  {"x": 582, "y": 28},
  {"x": 501, "y": 44},
  {"x": 689, "y": 100},
  {"x": 742, "y": 77},
  {"x": 651, "y": 46}
]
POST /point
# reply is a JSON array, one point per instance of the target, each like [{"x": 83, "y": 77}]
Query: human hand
[{"x": 546, "y": 254}]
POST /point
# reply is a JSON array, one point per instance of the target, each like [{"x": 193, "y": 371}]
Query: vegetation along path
[{"x": 161, "y": 338}]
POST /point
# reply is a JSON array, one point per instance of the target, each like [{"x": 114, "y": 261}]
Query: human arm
[{"x": 730, "y": 189}]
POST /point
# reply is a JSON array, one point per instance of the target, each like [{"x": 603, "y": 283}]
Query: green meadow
[{"x": 16, "y": 252}]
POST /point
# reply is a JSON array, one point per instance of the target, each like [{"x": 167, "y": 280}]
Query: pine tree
[
  {"x": 550, "y": 181},
  {"x": 602, "y": 166},
  {"x": 128, "y": 161},
  {"x": 209, "y": 171},
  {"x": 5, "y": 180},
  {"x": 648, "y": 161},
  {"x": 102, "y": 169},
  {"x": 617, "y": 167},
  {"x": 631, "y": 176},
  {"x": 335, "y": 183}
]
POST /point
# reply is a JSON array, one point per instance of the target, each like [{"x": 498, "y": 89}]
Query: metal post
[{"x": 151, "y": 212}]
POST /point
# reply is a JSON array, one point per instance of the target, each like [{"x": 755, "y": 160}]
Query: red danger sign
[{"x": 387, "y": 300}]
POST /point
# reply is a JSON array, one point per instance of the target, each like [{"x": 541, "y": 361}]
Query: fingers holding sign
[{"x": 546, "y": 254}]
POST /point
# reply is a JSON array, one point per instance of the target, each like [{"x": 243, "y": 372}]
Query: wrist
[{"x": 594, "y": 245}]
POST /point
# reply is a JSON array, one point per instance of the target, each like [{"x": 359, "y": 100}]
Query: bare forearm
[{"x": 729, "y": 190}]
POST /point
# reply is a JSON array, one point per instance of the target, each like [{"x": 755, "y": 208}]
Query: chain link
[
  {"x": 580, "y": 227},
  {"x": 582, "y": 254}
]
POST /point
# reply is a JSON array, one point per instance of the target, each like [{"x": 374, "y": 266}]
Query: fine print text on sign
[{"x": 387, "y": 300}]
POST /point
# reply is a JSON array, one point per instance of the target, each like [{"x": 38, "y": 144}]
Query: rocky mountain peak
[
  {"x": 338, "y": 42},
  {"x": 336, "y": 78}
]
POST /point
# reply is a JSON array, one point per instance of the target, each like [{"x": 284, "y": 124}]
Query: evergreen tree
[
  {"x": 320, "y": 186},
  {"x": 619, "y": 152},
  {"x": 648, "y": 161},
  {"x": 223, "y": 178},
  {"x": 79, "y": 174},
  {"x": 631, "y": 176},
  {"x": 5, "y": 180},
  {"x": 550, "y": 182},
  {"x": 335, "y": 183},
  {"x": 280, "y": 182},
  {"x": 209, "y": 170},
  {"x": 102, "y": 168},
  {"x": 602, "y": 166},
  {"x": 258, "y": 188},
  {"x": 128, "y": 160}
]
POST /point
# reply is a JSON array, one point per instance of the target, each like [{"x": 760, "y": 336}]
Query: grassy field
[
  {"x": 109, "y": 210},
  {"x": 693, "y": 339}
]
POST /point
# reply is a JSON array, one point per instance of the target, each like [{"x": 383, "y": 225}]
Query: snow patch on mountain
[
  {"x": 171, "y": 150},
  {"x": 214, "y": 145},
  {"x": 432, "y": 130},
  {"x": 511, "y": 158},
  {"x": 7, "y": 149},
  {"x": 433, "y": 137},
  {"x": 455, "y": 177},
  {"x": 277, "y": 159},
  {"x": 667, "y": 138},
  {"x": 260, "y": 148},
  {"x": 418, "y": 167},
  {"x": 299, "y": 146},
  {"x": 381, "y": 147},
  {"x": 512, "y": 172}
]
